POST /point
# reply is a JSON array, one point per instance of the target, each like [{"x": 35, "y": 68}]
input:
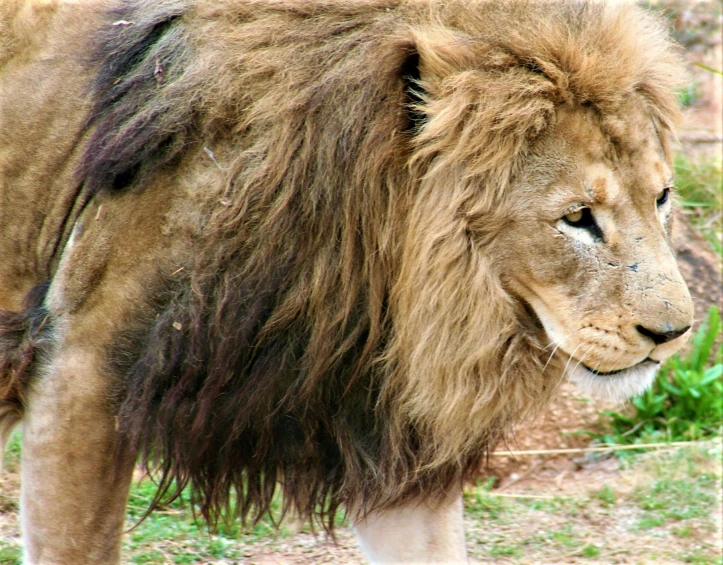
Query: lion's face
[{"x": 589, "y": 251}]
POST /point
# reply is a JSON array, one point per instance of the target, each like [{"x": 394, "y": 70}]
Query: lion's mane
[{"x": 340, "y": 332}]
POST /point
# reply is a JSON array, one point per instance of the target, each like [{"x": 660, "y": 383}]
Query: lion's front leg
[
  {"x": 416, "y": 532},
  {"x": 73, "y": 501}
]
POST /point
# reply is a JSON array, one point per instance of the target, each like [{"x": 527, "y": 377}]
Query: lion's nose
[{"x": 661, "y": 337}]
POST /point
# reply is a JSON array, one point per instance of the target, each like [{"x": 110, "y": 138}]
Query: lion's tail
[{"x": 22, "y": 335}]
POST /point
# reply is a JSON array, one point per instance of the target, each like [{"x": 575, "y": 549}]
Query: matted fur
[
  {"x": 24, "y": 338},
  {"x": 345, "y": 329}
]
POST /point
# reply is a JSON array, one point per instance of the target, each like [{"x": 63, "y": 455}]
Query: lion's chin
[{"x": 617, "y": 386}]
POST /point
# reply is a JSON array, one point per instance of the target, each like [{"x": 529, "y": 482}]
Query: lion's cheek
[{"x": 545, "y": 271}]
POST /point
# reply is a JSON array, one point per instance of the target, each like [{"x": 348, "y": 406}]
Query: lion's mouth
[
  {"x": 617, "y": 385},
  {"x": 618, "y": 371}
]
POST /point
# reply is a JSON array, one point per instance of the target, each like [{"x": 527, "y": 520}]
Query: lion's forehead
[
  {"x": 582, "y": 163},
  {"x": 634, "y": 183}
]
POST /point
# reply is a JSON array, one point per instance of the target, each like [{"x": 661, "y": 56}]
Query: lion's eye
[
  {"x": 662, "y": 197},
  {"x": 580, "y": 218}
]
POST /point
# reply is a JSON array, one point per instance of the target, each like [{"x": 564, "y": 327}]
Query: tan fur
[{"x": 266, "y": 221}]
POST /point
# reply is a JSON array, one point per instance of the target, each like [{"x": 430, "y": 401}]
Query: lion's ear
[
  {"x": 442, "y": 53},
  {"x": 432, "y": 56},
  {"x": 414, "y": 93}
]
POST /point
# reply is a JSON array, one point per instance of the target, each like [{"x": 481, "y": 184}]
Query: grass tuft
[
  {"x": 606, "y": 496},
  {"x": 698, "y": 185}
]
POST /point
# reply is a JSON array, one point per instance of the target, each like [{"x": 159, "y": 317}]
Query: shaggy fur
[
  {"x": 143, "y": 124},
  {"x": 345, "y": 328},
  {"x": 24, "y": 337},
  {"x": 288, "y": 365}
]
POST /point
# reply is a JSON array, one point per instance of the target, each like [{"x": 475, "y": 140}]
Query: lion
[{"x": 331, "y": 248}]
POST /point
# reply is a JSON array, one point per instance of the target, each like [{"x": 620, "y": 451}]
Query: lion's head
[
  {"x": 590, "y": 249},
  {"x": 538, "y": 244}
]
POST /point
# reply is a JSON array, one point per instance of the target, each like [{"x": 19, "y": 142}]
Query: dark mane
[
  {"x": 141, "y": 120},
  {"x": 25, "y": 338},
  {"x": 250, "y": 380}
]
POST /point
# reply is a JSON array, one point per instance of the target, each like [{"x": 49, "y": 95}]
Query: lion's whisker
[
  {"x": 571, "y": 356},
  {"x": 580, "y": 360},
  {"x": 558, "y": 344}
]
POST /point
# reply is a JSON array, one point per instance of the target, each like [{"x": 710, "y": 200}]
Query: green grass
[
  {"x": 173, "y": 535},
  {"x": 10, "y": 554},
  {"x": 591, "y": 550},
  {"x": 606, "y": 496},
  {"x": 502, "y": 549},
  {"x": 689, "y": 95},
  {"x": 677, "y": 499},
  {"x": 698, "y": 185},
  {"x": 483, "y": 505},
  {"x": 667, "y": 503},
  {"x": 11, "y": 457},
  {"x": 683, "y": 496}
]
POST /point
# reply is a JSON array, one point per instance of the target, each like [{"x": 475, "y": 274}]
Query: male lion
[{"x": 336, "y": 248}]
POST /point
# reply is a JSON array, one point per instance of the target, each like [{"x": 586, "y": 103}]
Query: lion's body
[{"x": 300, "y": 242}]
